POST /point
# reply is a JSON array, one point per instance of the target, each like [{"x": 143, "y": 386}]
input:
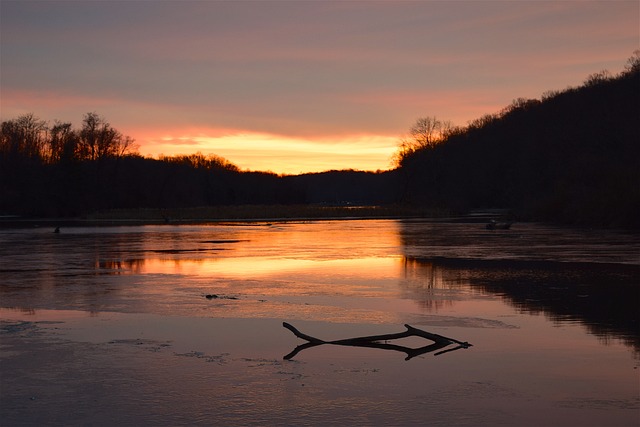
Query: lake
[{"x": 183, "y": 324}]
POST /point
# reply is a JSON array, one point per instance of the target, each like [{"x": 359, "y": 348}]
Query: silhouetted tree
[
  {"x": 633, "y": 63},
  {"x": 425, "y": 133},
  {"x": 200, "y": 161},
  {"x": 99, "y": 140},
  {"x": 597, "y": 78},
  {"x": 63, "y": 142},
  {"x": 23, "y": 137}
]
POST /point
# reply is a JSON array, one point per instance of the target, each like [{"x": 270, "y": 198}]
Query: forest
[
  {"x": 63, "y": 172},
  {"x": 571, "y": 157}
]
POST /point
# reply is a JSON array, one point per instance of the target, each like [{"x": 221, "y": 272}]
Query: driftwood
[{"x": 379, "y": 341}]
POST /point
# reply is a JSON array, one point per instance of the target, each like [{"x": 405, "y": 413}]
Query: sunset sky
[{"x": 297, "y": 86}]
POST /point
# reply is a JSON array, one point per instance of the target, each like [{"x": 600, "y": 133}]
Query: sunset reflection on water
[
  {"x": 349, "y": 271},
  {"x": 552, "y": 327},
  {"x": 263, "y": 267}
]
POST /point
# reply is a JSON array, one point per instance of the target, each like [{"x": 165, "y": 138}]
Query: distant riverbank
[{"x": 230, "y": 213}]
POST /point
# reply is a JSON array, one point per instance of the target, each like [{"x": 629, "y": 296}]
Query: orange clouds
[{"x": 297, "y": 86}]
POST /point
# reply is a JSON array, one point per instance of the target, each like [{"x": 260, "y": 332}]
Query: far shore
[{"x": 240, "y": 213}]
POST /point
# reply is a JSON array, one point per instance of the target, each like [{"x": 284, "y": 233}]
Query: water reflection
[
  {"x": 332, "y": 279},
  {"x": 349, "y": 271},
  {"x": 588, "y": 277},
  {"x": 603, "y": 297},
  {"x": 293, "y": 270}
]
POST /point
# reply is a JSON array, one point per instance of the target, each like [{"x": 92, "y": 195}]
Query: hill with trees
[{"x": 571, "y": 157}]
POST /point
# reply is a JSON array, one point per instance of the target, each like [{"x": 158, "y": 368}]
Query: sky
[{"x": 297, "y": 86}]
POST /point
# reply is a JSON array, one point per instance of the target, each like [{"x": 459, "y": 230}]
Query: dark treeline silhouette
[
  {"x": 60, "y": 171},
  {"x": 571, "y": 157}
]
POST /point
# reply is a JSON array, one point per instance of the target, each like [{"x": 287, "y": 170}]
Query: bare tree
[
  {"x": 633, "y": 63},
  {"x": 63, "y": 142},
  {"x": 99, "y": 140},
  {"x": 24, "y": 137},
  {"x": 200, "y": 161},
  {"x": 597, "y": 78},
  {"x": 426, "y": 132}
]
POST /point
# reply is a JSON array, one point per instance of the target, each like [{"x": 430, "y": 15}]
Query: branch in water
[{"x": 374, "y": 341}]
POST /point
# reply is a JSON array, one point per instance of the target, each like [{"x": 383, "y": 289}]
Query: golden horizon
[{"x": 285, "y": 155}]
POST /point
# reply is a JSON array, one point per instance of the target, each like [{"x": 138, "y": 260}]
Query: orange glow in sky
[
  {"x": 281, "y": 154},
  {"x": 297, "y": 86}
]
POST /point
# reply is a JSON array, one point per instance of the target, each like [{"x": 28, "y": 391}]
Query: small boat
[{"x": 495, "y": 225}]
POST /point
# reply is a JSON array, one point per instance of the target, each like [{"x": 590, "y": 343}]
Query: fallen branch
[{"x": 374, "y": 341}]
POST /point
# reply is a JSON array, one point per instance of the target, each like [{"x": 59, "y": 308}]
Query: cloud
[{"x": 320, "y": 71}]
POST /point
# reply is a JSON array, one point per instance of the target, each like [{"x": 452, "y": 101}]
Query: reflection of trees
[
  {"x": 603, "y": 297},
  {"x": 111, "y": 266},
  {"x": 137, "y": 265},
  {"x": 421, "y": 282},
  {"x": 82, "y": 270}
]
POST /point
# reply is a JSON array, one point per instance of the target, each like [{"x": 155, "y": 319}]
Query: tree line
[
  {"x": 572, "y": 156},
  {"x": 29, "y": 138},
  {"x": 61, "y": 171}
]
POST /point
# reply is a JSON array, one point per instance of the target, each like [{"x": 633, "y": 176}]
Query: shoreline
[{"x": 231, "y": 214}]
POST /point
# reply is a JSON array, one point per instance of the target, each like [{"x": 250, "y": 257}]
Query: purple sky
[{"x": 294, "y": 86}]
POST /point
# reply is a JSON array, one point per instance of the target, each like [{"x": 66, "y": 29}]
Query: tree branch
[{"x": 374, "y": 341}]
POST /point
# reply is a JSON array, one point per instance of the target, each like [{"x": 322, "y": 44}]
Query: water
[{"x": 182, "y": 324}]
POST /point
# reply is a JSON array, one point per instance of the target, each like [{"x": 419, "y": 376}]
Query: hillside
[{"x": 572, "y": 157}]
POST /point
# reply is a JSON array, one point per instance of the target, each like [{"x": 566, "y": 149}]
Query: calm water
[{"x": 182, "y": 324}]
